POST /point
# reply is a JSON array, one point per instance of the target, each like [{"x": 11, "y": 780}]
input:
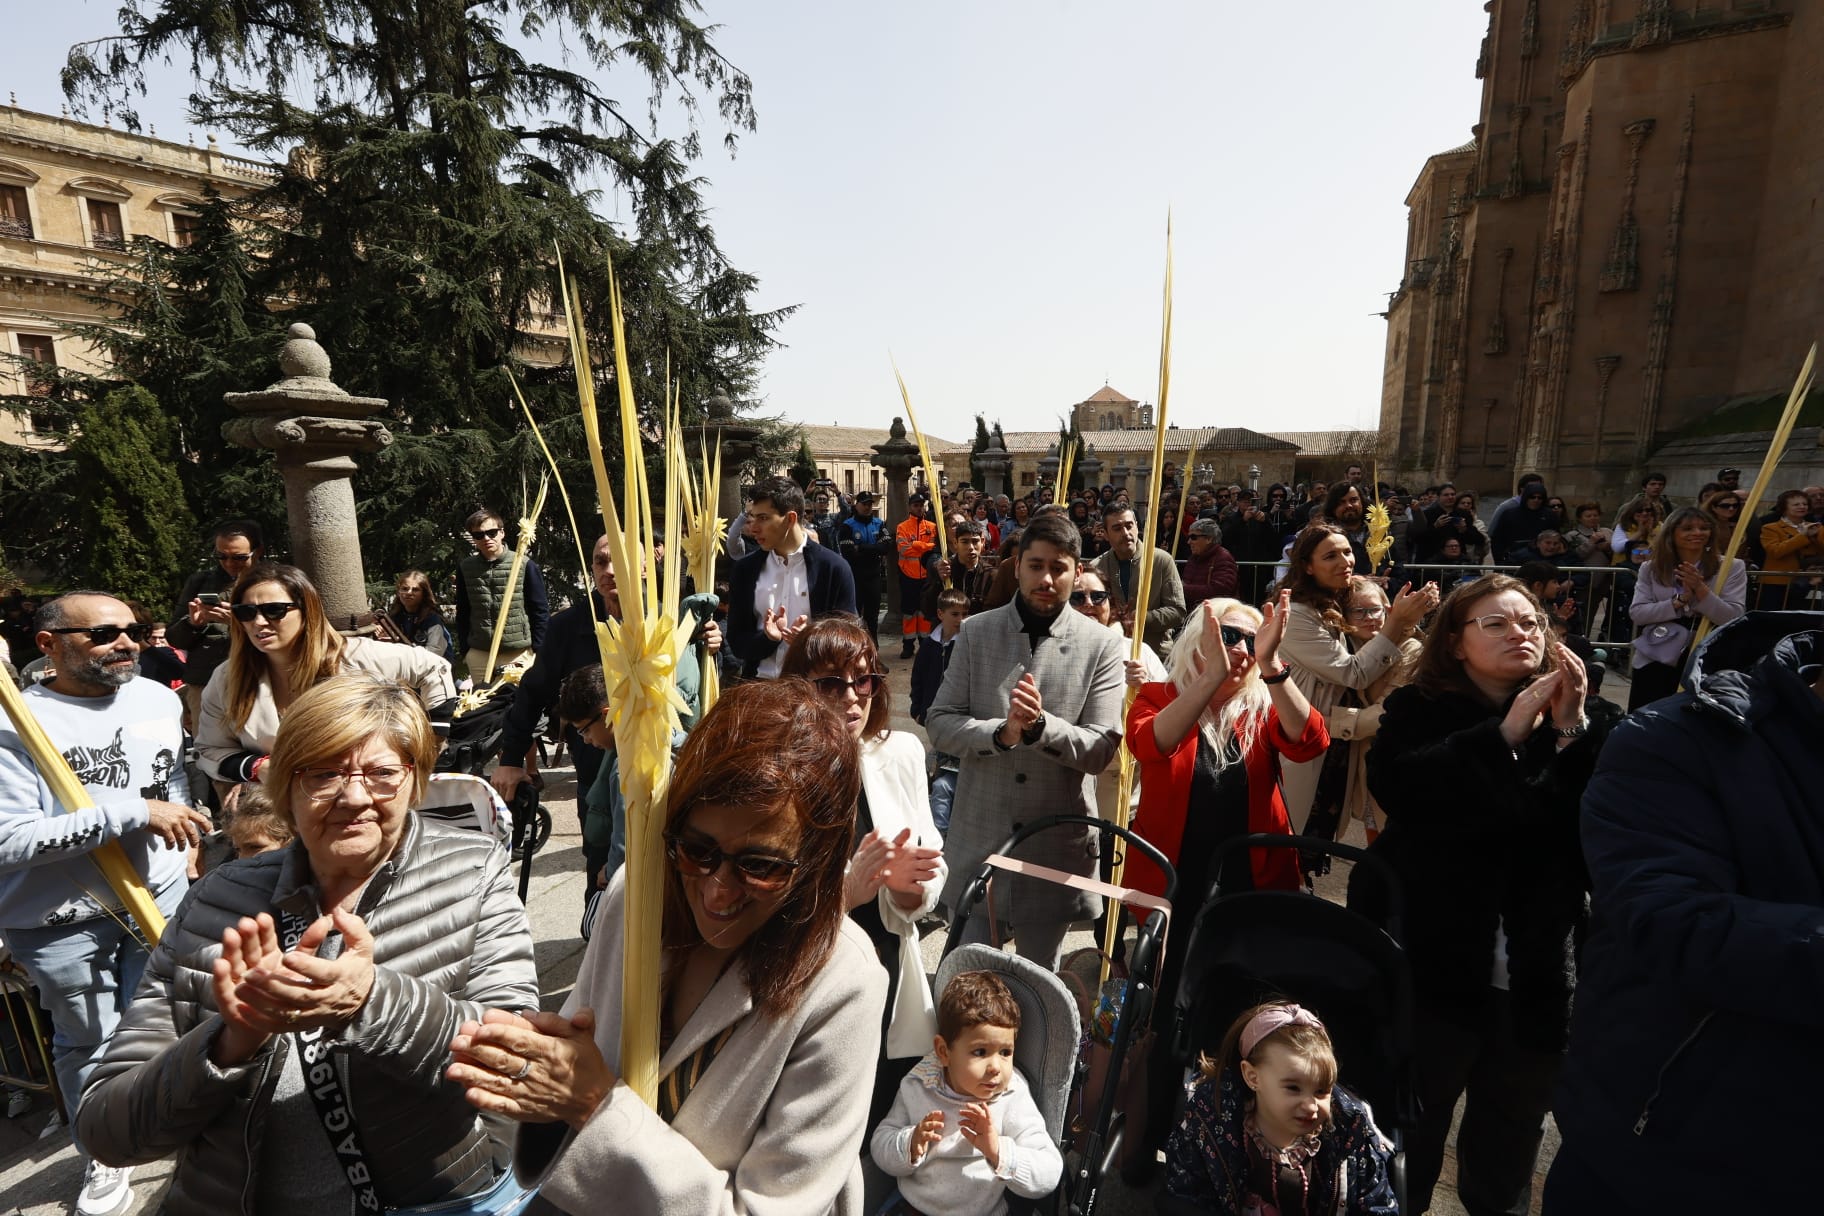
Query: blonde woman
[{"x": 281, "y": 647}]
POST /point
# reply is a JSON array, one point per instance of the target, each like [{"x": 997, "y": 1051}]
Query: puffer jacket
[
  {"x": 1699, "y": 1030},
  {"x": 450, "y": 939}
]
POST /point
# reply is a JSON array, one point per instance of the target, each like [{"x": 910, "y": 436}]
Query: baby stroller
[
  {"x": 1091, "y": 1149},
  {"x": 466, "y": 801},
  {"x": 1251, "y": 946},
  {"x": 474, "y": 738}
]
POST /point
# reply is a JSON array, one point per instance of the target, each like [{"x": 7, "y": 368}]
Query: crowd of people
[{"x": 343, "y": 1012}]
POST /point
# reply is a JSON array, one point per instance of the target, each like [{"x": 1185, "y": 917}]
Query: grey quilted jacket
[{"x": 450, "y": 939}]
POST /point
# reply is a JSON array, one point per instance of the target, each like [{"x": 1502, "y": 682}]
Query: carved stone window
[{"x": 15, "y": 211}]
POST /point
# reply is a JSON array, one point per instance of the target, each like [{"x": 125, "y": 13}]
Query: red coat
[{"x": 1165, "y": 789}]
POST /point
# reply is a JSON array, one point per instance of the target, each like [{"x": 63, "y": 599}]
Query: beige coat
[
  {"x": 217, "y": 743},
  {"x": 1323, "y": 667},
  {"x": 1358, "y": 727},
  {"x": 773, "y": 1128}
]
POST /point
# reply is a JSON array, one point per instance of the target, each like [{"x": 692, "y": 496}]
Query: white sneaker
[{"x": 105, "y": 1190}]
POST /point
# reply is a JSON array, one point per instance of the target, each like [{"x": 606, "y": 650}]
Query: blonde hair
[
  {"x": 1242, "y": 715},
  {"x": 337, "y": 716},
  {"x": 315, "y": 656}
]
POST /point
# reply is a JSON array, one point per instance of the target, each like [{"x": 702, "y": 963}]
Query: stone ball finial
[
  {"x": 301, "y": 356},
  {"x": 719, "y": 406}
]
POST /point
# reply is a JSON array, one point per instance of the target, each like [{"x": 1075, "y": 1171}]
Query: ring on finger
[{"x": 523, "y": 1070}]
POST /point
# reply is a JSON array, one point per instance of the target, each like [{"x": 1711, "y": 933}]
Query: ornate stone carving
[
  {"x": 1576, "y": 42},
  {"x": 1529, "y": 30},
  {"x": 1494, "y": 342},
  {"x": 1515, "y": 185},
  {"x": 1621, "y": 272},
  {"x": 1605, "y": 371},
  {"x": 1659, "y": 326},
  {"x": 1653, "y": 24}
]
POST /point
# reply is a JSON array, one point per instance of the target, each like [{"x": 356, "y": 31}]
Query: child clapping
[{"x": 964, "y": 1128}]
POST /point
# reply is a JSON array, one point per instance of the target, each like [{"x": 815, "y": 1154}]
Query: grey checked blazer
[{"x": 1078, "y": 669}]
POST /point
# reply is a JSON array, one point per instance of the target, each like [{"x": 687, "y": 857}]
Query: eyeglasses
[
  {"x": 1495, "y": 625},
  {"x": 1374, "y": 613},
  {"x": 484, "y": 533},
  {"x": 1088, "y": 599},
  {"x": 325, "y": 784},
  {"x": 106, "y": 635},
  {"x": 583, "y": 726},
  {"x": 864, "y": 686},
  {"x": 1232, "y": 636},
  {"x": 236, "y": 558},
  {"x": 1726, "y": 506},
  {"x": 274, "y": 611},
  {"x": 703, "y": 858}
]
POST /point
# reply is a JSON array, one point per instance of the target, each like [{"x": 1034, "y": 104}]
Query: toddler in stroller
[
  {"x": 1269, "y": 1130},
  {"x": 964, "y": 1127}
]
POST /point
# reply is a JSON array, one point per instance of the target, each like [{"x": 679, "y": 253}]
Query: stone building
[
  {"x": 1110, "y": 409},
  {"x": 1123, "y": 458},
  {"x": 1629, "y": 243},
  {"x": 842, "y": 454},
  {"x": 71, "y": 196}
]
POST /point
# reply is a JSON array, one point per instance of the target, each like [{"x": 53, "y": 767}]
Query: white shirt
[{"x": 783, "y": 583}]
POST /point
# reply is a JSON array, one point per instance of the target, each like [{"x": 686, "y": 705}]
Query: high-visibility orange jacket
[{"x": 917, "y": 537}]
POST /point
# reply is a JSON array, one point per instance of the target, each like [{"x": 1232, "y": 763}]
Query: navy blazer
[{"x": 832, "y": 590}]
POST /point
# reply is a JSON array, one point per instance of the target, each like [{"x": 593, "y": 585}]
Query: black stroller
[
  {"x": 474, "y": 738},
  {"x": 1090, "y": 1150},
  {"x": 1253, "y": 946}
]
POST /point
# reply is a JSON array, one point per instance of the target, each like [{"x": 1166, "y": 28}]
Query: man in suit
[
  {"x": 778, "y": 589},
  {"x": 1031, "y": 703},
  {"x": 1120, "y": 571}
]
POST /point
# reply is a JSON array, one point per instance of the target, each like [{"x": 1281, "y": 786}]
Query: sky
[{"x": 979, "y": 189}]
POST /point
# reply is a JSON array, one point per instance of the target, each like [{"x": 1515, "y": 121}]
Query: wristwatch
[
  {"x": 1280, "y": 677},
  {"x": 1573, "y": 732},
  {"x": 1032, "y": 733}
]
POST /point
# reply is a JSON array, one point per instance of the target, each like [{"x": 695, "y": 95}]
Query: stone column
[
  {"x": 314, "y": 428},
  {"x": 1118, "y": 477},
  {"x": 1048, "y": 474},
  {"x": 1090, "y": 466},
  {"x": 896, "y": 456},
  {"x": 738, "y": 442},
  {"x": 995, "y": 463}
]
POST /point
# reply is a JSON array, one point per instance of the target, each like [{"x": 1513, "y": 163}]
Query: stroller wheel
[{"x": 531, "y": 831}]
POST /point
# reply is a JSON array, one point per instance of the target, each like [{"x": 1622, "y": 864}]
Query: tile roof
[
  {"x": 1360, "y": 443},
  {"x": 856, "y": 442},
  {"x": 1140, "y": 440},
  {"x": 1108, "y": 396}
]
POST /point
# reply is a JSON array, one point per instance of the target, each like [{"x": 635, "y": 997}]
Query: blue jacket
[
  {"x": 1206, "y": 1160},
  {"x": 1698, "y": 1039},
  {"x": 832, "y": 590},
  {"x": 928, "y": 672}
]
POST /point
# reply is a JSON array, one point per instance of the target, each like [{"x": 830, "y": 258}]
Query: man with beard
[
  {"x": 1120, "y": 571},
  {"x": 1031, "y": 703},
  {"x": 58, "y": 916},
  {"x": 1345, "y": 508}
]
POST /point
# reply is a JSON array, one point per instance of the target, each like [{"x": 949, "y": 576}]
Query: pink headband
[{"x": 1267, "y": 1021}]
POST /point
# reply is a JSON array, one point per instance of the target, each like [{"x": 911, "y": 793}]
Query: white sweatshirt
[
  {"x": 953, "y": 1178},
  {"x": 126, "y": 748}
]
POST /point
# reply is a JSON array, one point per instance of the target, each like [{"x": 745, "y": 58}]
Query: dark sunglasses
[
  {"x": 1084, "y": 599},
  {"x": 1727, "y": 506},
  {"x": 105, "y": 635},
  {"x": 702, "y": 858},
  {"x": 484, "y": 534},
  {"x": 236, "y": 558},
  {"x": 1232, "y": 636},
  {"x": 864, "y": 686},
  {"x": 273, "y": 612}
]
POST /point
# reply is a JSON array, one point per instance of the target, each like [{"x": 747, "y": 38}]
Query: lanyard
[{"x": 323, "y": 1081}]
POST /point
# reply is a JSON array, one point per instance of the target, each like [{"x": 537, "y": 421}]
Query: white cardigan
[
  {"x": 1322, "y": 667},
  {"x": 899, "y": 797}
]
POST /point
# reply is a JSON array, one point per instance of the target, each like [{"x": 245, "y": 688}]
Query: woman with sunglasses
[
  {"x": 770, "y": 996},
  {"x": 1480, "y": 765},
  {"x": 1210, "y": 740},
  {"x": 896, "y": 867},
  {"x": 324, "y": 980},
  {"x": 1672, "y": 593},
  {"x": 282, "y": 645},
  {"x": 1326, "y": 670}
]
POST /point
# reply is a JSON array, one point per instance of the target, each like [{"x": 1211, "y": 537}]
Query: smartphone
[{"x": 209, "y": 599}]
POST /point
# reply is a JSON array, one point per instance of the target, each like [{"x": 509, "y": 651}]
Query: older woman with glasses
[
  {"x": 283, "y": 645},
  {"x": 770, "y": 1000},
  {"x": 896, "y": 867},
  {"x": 1480, "y": 764},
  {"x": 294, "y": 1022}
]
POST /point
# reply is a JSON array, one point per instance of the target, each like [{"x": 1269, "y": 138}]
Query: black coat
[
  {"x": 1699, "y": 1035},
  {"x": 832, "y": 588},
  {"x": 1483, "y": 837}
]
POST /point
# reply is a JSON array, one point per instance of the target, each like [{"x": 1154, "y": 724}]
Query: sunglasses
[
  {"x": 865, "y": 686},
  {"x": 703, "y": 858},
  {"x": 1727, "y": 506},
  {"x": 106, "y": 635},
  {"x": 1232, "y": 636},
  {"x": 236, "y": 558},
  {"x": 1088, "y": 599},
  {"x": 275, "y": 611},
  {"x": 484, "y": 533}
]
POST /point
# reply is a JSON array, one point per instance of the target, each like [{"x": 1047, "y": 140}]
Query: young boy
[
  {"x": 582, "y": 703},
  {"x": 927, "y": 677},
  {"x": 964, "y": 1128}
]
